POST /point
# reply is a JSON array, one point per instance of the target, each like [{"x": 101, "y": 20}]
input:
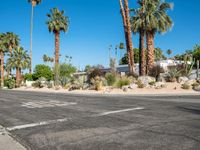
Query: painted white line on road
[
  {"x": 118, "y": 111},
  {"x": 37, "y": 124},
  {"x": 43, "y": 104}
]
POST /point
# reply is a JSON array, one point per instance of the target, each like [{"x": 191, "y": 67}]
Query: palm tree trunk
[
  {"x": 150, "y": 51},
  {"x": 17, "y": 77},
  {"x": 31, "y": 37},
  {"x": 9, "y": 72},
  {"x": 128, "y": 35},
  {"x": 2, "y": 68},
  {"x": 57, "y": 47},
  {"x": 142, "y": 64}
]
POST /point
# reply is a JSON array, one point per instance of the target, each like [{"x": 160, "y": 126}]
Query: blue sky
[{"x": 94, "y": 25}]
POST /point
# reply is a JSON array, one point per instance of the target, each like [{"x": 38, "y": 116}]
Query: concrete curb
[{"x": 7, "y": 142}]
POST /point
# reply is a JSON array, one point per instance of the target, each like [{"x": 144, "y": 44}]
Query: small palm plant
[{"x": 19, "y": 60}]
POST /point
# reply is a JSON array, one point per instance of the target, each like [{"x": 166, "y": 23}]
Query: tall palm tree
[
  {"x": 11, "y": 41},
  {"x": 138, "y": 26},
  {"x": 124, "y": 7},
  {"x": 57, "y": 22},
  {"x": 3, "y": 50},
  {"x": 19, "y": 60},
  {"x": 33, "y": 4},
  {"x": 156, "y": 20}
]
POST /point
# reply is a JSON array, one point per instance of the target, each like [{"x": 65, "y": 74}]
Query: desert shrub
[
  {"x": 156, "y": 71},
  {"x": 195, "y": 84},
  {"x": 123, "y": 81},
  {"x": 152, "y": 83},
  {"x": 97, "y": 82},
  {"x": 185, "y": 86},
  {"x": 40, "y": 83},
  {"x": 94, "y": 72},
  {"x": 173, "y": 74},
  {"x": 42, "y": 71},
  {"x": 28, "y": 77},
  {"x": 140, "y": 84},
  {"x": 49, "y": 84},
  {"x": 10, "y": 83},
  {"x": 111, "y": 78}
]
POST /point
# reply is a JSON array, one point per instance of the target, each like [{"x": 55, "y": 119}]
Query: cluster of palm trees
[
  {"x": 150, "y": 18},
  {"x": 18, "y": 57}
]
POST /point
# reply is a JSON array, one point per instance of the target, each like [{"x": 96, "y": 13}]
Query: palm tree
[
  {"x": 3, "y": 50},
  {"x": 138, "y": 26},
  {"x": 169, "y": 52},
  {"x": 128, "y": 35},
  {"x": 20, "y": 60},
  {"x": 156, "y": 20},
  {"x": 11, "y": 41},
  {"x": 57, "y": 22},
  {"x": 33, "y": 4}
]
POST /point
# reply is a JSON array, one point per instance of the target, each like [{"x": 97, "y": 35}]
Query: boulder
[
  {"x": 160, "y": 85},
  {"x": 196, "y": 88},
  {"x": 198, "y": 80},
  {"x": 133, "y": 86},
  {"x": 125, "y": 88},
  {"x": 145, "y": 80},
  {"x": 182, "y": 80},
  {"x": 29, "y": 84},
  {"x": 190, "y": 82}
]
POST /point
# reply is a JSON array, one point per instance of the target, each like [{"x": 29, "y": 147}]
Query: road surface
[{"x": 43, "y": 121}]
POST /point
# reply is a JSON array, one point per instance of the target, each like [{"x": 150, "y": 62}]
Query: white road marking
[
  {"x": 37, "y": 124},
  {"x": 43, "y": 104},
  {"x": 118, "y": 111}
]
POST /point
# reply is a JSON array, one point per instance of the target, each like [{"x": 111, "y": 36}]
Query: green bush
[
  {"x": 185, "y": 86},
  {"x": 10, "y": 83},
  {"x": 123, "y": 81},
  {"x": 111, "y": 78},
  {"x": 173, "y": 74},
  {"x": 66, "y": 70},
  {"x": 42, "y": 71},
  {"x": 28, "y": 77}
]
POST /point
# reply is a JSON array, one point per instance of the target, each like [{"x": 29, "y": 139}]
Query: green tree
[
  {"x": 19, "y": 60},
  {"x": 42, "y": 71},
  {"x": 159, "y": 54},
  {"x": 33, "y": 4},
  {"x": 11, "y": 41},
  {"x": 3, "y": 50},
  {"x": 66, "y": 70},
  {"x": 124, "y": 60},
  {"x": 57, "y": 22},
  {"x": 196, "y": 52}
]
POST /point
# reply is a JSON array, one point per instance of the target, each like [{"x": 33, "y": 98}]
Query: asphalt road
[{"x": 43, "y": 121}]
